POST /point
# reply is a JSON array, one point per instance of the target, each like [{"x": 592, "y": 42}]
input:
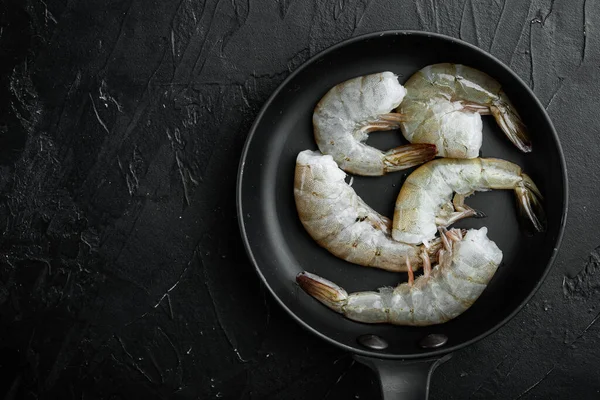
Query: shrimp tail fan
[
  {"x": 531, "y": 211},
  {"x": 511, "y": 124},
  {"x": 408, "y": 156}
]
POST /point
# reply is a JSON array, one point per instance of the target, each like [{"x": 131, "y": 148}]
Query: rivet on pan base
[
  {"x": 373, "y": 342},
  {"x": 433, "y": 340}
]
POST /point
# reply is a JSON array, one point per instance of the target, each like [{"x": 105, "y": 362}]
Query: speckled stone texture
[{"x": 122, "y": 271}]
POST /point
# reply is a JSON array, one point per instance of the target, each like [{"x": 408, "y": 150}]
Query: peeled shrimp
[
  {"x": 443, "y": 105},
  {"x": 437, "y": 296},
  {"x": 425, "y": 199},
  {"x": 341, "y": 222},
  {"x": 345, "y": 116}
]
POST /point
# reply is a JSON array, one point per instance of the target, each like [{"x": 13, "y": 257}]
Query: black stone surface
[{"x": 122, "y": 272}]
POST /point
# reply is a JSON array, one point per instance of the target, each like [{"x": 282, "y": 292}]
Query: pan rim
[{"x": 252, "y": 132}]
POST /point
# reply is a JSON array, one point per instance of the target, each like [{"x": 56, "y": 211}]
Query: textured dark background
[{"x": 122, "y": 273}]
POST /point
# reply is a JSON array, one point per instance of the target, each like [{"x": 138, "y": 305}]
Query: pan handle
[{"x": 403, "y": 380}]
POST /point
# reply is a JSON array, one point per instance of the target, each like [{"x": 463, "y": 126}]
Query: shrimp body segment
[
  {"x": 425, "y": 201},
  {"x": 434, "y": 298},
  {"x": 443, "y": 105},
  {"x": 344, "y": 117},
  {"x": 341, "y": 222}
]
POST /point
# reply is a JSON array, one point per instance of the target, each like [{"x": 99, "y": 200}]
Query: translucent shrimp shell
[
  {"x": 339, "y": 115},
  {"x": 443, "y": 105},
  {"x": 432, "y": 185},
  {"x": 340, "y": 221},
  {"x": 446, "y": 293}
]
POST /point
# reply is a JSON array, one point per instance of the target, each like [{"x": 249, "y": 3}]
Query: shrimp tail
[
  {"x": 511, "y": 124},
  {"x": 531, "y": 211},
  {"x": 326, "y": 292},
  {"x": 367, "y": 307},
  {"x": 408, "y": 156}
]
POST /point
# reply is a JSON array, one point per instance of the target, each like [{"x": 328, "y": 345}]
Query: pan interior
[{"x": 280, "y": 247}]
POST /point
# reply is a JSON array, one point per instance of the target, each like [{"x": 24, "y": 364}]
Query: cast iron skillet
[{"x": 280, "y": 248}]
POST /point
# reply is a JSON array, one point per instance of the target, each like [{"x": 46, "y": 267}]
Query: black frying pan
[{"x": 280, "y": 248}]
